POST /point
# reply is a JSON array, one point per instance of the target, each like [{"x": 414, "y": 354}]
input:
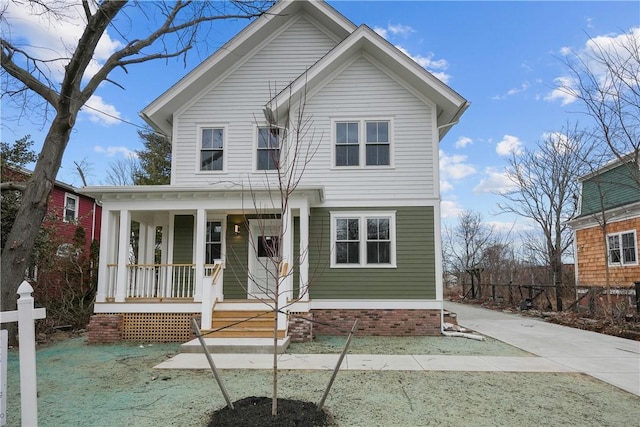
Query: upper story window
[
  {"x": 363, "y": 239},
  {"x": 363, "y": 143},
  {"x": 622, "y": 248},
  {"x": 71, "y": 204},
  {"x": 211, "y": 148},
  {"x": 268, "y": 152}
]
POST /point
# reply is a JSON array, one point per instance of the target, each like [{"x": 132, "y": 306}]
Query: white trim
[
  {"x": 362, "y": 216},
  {"x": 362, "y": 141},
  {"x": 252, "y": 262},
  {"x": 64, "y": 207},
  {"x": 150, "y": 307},
  {"x": 621, "y": 248},
  {"x": 331, "y": 304},
  {"x": 225, "y": 132}
]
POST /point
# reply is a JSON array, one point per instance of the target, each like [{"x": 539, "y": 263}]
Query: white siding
[
  {"x": 363, "y": 91},
  {"x": 360, "y": 91},
  {"x": 239, "y": 99}
]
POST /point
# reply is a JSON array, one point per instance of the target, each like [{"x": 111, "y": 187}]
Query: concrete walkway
[
  {"x": 560, "y": 349},
  {"x": 610, "y": 359}
]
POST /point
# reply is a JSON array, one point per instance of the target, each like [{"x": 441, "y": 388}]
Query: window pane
[
  {"x": 377, "y": 155},
  {"x": 378, "y": 252},
  {"x": 383, "y": 131},
  {"x": 211, "y": 160},
  {"x": 207, "y": 138},
  {"x": 614, "y": 249},
  {"x": 353, "y": 252},
  {"x": 378, "y": 132},
  {"x": 217, "y": 138},
  {"x": 353, "y": 229},
  {"x": 341, "y": 253},
  {"x": 629, "y": 248},
  {"x": 341, "y": 229},
  {"x": 268, "y": 138},
  {"x": 352, "y": 137},
  {"x": 268, "y": 159},
  {"x": 341, "y": 133},
  {"x": 268, "y": 246},
  {"x": 372, "y": 131},
  {"x": 347, "y": 155},
  {"x": 213, "y": 252}
]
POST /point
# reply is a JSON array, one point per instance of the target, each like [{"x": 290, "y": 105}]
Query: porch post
[
  {"x": 286, "y": 288},
  {"x": 108, "y": 242},
  {"x": 201, "y": 223},
  {"x": 123, "y": 255},
  {"x": 303, "y": 262}
]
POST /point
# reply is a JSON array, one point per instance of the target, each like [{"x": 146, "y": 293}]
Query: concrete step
[
  {"x": 235, "y": 345},
  {"x": 241, "y": 331}
]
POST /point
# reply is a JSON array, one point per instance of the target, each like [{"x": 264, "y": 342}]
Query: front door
[{"x": 264, "y": 247}]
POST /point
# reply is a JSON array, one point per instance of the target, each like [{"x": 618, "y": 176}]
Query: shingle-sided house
[
  {"x": 609, "y": 195},
  {"x": 360, "y": 235}
]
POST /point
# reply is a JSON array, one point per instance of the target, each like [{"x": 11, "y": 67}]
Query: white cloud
[
  {"x": 53, "y": 41},
  {"x": 100, "y": 112},
  {"x": 401, "y": 30},
  {"x": 382, "y": 31},
  {"x": 112, "y": 151},
  {"x": 436, "y": 67},
  {"x": 453, "y": 168},
  {"x": 513, "y": 91},
  {"x": 509, "y": 144},
  {"x": 615, "y": 47},
  {"x": 463, "y": 141},
  {"x": 494, "y": 182},
  {"x": 450, "y": 209}
]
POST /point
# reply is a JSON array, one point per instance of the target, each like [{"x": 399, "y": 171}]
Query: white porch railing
[{"x": 154, "y": 281}]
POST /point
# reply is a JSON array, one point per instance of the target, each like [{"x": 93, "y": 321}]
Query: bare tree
[
  {"x": 605, "y": 79},
  {"x": 122, "y": 171},
  {"x": 174, "y": 29},
  {"x": 466, "y": 245},
  {"x": 546, "y": 192}
]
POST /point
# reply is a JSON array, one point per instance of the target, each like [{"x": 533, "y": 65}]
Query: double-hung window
[
  {"x": 71, "y": 203},
  {"x": 268, "y": 153},
  {"x": 362, "y": 143},
  {"x": 363, "y": 239},
  {"x": 622, "y": 248},
  {"x": 211, "y": 148},
  {"x": 213, "y": 242}
]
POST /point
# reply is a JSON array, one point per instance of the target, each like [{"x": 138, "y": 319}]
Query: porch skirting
[{"x": 108, "y": 328}]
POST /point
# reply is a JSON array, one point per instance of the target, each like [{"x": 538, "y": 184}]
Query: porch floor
[{"x": 236, "y": 345}]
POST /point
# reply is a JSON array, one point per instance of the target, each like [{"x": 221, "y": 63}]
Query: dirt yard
[{"x": 116, "y": 385}]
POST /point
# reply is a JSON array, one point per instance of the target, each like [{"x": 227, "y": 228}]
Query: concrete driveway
[{"x": 610, "y": 359}]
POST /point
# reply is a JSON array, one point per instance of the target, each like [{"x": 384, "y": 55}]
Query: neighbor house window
[
  {"x": 363, "y": 239},
  {"x": 211, "y": 149},
  {"x": 213, "y": 242},
  {"x": 622, "y": 248},
  {"x": 362, "y": 143},
  {"x": 268, "y": 148},
  {"x": 71, "y": 204}
]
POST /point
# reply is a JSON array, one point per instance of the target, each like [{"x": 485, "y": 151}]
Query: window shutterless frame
[
  {"x": 362, "y": 143},
  {"x": 71, "y": 207},
  {"x": 212, "y": 142},
  {"x": 363, "y": 239},
  {"x": 622, "y": 248}
]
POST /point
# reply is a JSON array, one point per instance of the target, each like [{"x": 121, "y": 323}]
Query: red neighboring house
[{"x": 66, "y": 210}]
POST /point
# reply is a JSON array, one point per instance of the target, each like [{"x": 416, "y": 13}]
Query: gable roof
[
  {"x": 159, "y": 114},
  {"x": 449, "y": 104}
]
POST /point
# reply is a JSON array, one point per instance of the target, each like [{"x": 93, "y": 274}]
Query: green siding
[
  {"x": 610, "y": 189},
  {"x": 183, "y": 239},
  {"x": 414, "y": 277}
]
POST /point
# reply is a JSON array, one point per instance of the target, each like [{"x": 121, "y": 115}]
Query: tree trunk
[{"x": 16, "y": 254}]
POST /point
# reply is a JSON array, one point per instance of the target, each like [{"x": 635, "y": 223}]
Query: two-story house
[
  {"x": 606, "y": 231},
  {"x": 359, "y": 234}
]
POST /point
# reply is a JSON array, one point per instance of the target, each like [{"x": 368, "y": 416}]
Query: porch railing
[{"x": 154, "y": 280}]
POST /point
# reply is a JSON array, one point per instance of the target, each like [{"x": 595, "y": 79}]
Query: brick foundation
[
  {"x": 300, "y": 327},
  {"x": 105, "y": 328},
  {"x": 391, "y": 322}
]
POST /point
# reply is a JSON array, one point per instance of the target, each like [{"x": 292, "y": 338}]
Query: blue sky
[{"x": 504, "y": 57}]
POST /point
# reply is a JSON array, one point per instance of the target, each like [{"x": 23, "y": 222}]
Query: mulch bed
[{"x": 256, "y": 412}]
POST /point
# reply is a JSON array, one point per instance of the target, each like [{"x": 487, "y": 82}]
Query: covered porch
[{"x": 168, "y": 250}]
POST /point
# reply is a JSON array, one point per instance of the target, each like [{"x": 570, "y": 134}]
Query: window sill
[{"x": 376, "y": 266}]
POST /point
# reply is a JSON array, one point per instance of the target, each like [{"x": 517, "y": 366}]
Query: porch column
[
  {"x": 108, "y": 243},
  {"x": 303, "y": 263},
  {"x": 201, "y": 224},
  {"x": 286, "y": 282},
  {"x": 123, "y": 255}
]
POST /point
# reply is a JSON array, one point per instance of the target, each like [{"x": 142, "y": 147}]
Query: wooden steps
[{"x": 242, "y": 324}]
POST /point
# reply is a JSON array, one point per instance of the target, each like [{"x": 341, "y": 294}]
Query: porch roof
[{"x": 174, "y": 192}]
